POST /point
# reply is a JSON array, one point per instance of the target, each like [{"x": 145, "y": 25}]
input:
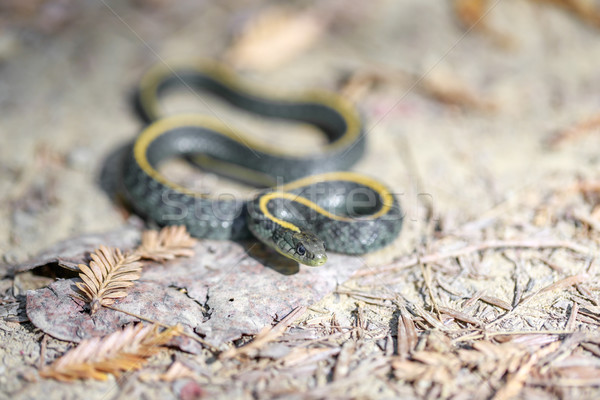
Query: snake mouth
[{"x": 316, "y": 261}]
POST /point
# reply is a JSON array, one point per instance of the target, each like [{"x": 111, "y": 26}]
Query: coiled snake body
[{"x": 315, "y": 207}]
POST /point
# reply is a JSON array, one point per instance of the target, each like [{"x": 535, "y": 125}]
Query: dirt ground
[{"x": 482, "y": 116}]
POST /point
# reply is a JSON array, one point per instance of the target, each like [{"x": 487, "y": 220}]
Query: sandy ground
[{"x": 480, "y": 160}]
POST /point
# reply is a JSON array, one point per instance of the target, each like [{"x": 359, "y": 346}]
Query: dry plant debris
[
  {"x": 443, "y": 86},
  {"x": 110, "y": 272},
  {"x": 275, "y": 36},
  {"x": 169, "y": 243},
  {"x": 107, "y": 277},
  {"x": 267, "y": 335},
  {"x": 586, "y": 10},
  {"x": 221, "y": 292},
  {"x": 120, "y": 351},
  {"x": 447, "y": 339},
  {"x": 177, "y": 370},
  {"x": 446, "y": 87},
  {"x": 472, "y": 16},
  {"x": 586, "y": 126}
]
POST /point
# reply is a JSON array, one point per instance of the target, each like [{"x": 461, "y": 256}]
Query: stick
[
  {"x": 489, "y": 245},
  {"x": 194, "y": 337},
  {"x": 267, "y": 335}
]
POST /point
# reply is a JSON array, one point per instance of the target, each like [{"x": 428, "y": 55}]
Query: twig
[
  {"x": 579, "y": 129},
  {"x": 587, "y": 220},
  {"x": 566, "y": 382},
  {"x": 430, "y": 319},
  {"x": 552, "y": 265},
  {"x": 43, "y": 351},
  {"x": 367, "y": 298},
  {"x": 572, "y": 318},
  {"x": 515, "y": 382},
  {"x": 407, "y": 334},
  {"x": 460, "y": 316},
  {"x": 342, "y": 364},
  {"x": 267, "y": 335},
  {"x": 142, "y": 318},
  {"x": 489, "y": 245},
  {"x": 563, "y": 283},
  {"x": 482, "y": 335},
  {"x": 425, "y": 271},
  {"x": 495, "y": 302}
]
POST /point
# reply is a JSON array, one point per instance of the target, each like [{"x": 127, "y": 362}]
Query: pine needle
[
  {"x": 118, "y": 352},
  {"x": 107, "y": 277},
  {"x": 169, "y": 243}
]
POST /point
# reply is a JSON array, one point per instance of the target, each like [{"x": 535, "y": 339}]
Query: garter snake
[{"x": 315, "y": 208}]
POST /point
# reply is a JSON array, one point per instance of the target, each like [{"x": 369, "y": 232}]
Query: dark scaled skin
[
  {"x": 318, "y": 232},
  {"x": 304, "y": 247},
  {"x": 155, "y": 197}
]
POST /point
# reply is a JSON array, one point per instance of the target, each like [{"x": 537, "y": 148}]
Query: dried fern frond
[
  {"x": 108, "y": 276},
  {"x": 170, "y": 242},
  {"x": 120, "y": 351}
]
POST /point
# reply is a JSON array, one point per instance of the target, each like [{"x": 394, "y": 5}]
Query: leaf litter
[
  {"x": 513, "y": 345},
  {"x": 218, "y": 290},
  {"x": 123, "y": 350},
  {"x": 453, "y": 338},
  {"x": 179, "y": 291}
]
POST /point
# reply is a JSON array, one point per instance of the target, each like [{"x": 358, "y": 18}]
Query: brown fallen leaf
[
  {"x": 240, "y": 303},
  {"x": 442, "y": 85},
  {"x": 589, "y": 125},
  {"x": 107, "y": 277},
  {"x": 113, "y": 354},
  {"x": 275, "y": 36},
  {"x": 471, "y": 12},
  {"x": 169, "y": 243},
  {"x": 586, "y": 10},
  {"x": 472, "y": 15},
  {"x": 446, "y": 87}
]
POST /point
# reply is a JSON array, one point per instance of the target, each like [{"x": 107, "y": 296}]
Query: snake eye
[{"x": 300, "y": 249}]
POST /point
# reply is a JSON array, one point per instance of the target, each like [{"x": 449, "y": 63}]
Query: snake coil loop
[{"x": 317, "y": 208}]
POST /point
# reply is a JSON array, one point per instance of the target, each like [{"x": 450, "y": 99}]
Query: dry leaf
[
  {"x": 218, "y": 303},
  {"x": 169, "y": 243},
  {"x": 586, "y": 126},
  {"x": 275, "y": 36},
  {"x": 120, "y": 351},
  {"x": 444, "y": 86},
  {"x": 107, "y": 277},
  {"x": 472, "y": 15},
  {"x": 471, "y": 12},
  {"x": 586, "y": 10}
]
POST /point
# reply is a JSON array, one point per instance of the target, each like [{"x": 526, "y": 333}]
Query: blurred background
[{"x": 466, "y": 102}]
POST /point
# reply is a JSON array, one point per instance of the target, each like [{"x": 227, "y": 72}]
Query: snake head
[{"x": 308, "y": 249}]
